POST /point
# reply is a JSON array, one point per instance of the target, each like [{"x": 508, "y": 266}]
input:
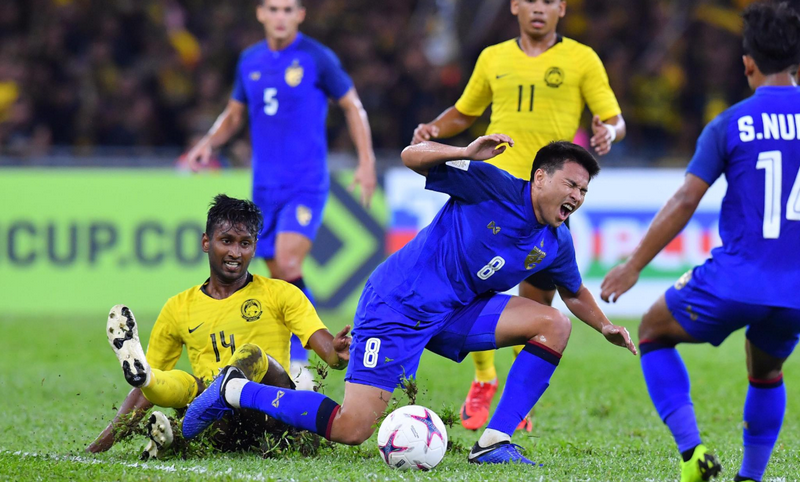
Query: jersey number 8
[{"x": 494, "y": 266}]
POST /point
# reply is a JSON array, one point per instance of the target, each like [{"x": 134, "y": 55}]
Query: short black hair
[
  {"x": 299, "y": 3},
  {"x": 772, "y": 36},
  {"x": 227, "y": 210},
  {"x": 552, "y": 157}
]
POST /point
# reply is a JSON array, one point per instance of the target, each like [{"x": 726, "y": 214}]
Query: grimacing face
[
  {"x": 560, "y": 194},
  {"x": 230, "y": 250},
  {"x": 281, "y": 18},
  {"x": 538, "y": 18}
]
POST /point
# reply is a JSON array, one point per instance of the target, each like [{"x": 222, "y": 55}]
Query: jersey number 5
[
  {"x": 270, "y": 102},
  {"x": 772, "y": 164}
]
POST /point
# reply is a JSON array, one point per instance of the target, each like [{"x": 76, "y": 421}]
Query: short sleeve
[
  {"x": 299, "y": 314},
  {"x": 473, "y": 182},
  {"x": 165, "y": 345},
  {"x": 709, "y": 159},
  {"x": 564, "y": 269},
  {"x": 478, "y": 93},
  {"x": 333, "y": 80},
  {"x": 596, "y": 90},
  {"x": 239, "y": 93}
]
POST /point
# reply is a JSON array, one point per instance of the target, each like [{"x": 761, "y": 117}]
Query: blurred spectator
[{"x": 154, "y": 73}]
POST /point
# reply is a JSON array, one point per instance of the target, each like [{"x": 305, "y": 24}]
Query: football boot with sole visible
[
  {"x": 475, "y": 410},
  {"x": 160, "y": 432},
  {"x": 123, "y": 336}
]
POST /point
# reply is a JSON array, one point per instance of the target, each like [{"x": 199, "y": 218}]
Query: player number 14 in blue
[{"x": 772, "y": 164}]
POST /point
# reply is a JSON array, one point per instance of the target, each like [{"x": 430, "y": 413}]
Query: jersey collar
[
  {"x": 205, "y": 283},
  {"x": 559, "y": 39}
]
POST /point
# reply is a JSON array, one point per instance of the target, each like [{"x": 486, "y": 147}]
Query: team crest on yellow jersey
[
  {"x": 303, "y": 215},
  {"x": 554, "y": 77},
  {"x": 293, "y": 74},
  {"x": 251, "y": 310},
  {"x": 534, "y": 257}
]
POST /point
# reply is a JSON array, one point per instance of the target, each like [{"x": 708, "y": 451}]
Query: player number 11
[
  {"x": 772, "y": 164},
  {"x": 521, "y": 90}
]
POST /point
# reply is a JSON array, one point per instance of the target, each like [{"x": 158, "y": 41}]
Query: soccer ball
[{"x": 412, "y": 437}]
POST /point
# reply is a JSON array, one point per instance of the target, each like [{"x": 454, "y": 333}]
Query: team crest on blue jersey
[
  {"x": 251, "y": 310},
  {"x": 303, "y": 215},
  {"x": 554, "y": 77},
  {"x": 534, "y": 257},
  {"x": 293, "y": 74},
  {"x": 255, "y": 75}
]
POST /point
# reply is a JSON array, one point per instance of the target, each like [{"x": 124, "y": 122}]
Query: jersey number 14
[{"x": 772, "y": 164}]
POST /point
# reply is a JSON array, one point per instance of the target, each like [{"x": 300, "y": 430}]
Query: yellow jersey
[
  {"x": 536, "y": 100},
  {"x": 265, "y": 312}
]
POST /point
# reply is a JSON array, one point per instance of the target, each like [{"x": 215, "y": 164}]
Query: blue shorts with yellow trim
[
  {"x": 287, "y": 210},
  {"x": 709, "y": 318}
]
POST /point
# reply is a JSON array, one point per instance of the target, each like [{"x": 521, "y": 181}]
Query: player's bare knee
[
  {"x": 351, "y": 431},
  {"x": 289, "y": 267},
  {"x": 554, "y": 330}
]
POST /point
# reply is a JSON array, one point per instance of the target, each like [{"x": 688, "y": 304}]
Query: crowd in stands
[{"x": 154, "y": 74}]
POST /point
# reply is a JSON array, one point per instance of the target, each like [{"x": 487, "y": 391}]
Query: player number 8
[
  {"x": 494, "y": 266},
  {"x": 371, "y": 353}
]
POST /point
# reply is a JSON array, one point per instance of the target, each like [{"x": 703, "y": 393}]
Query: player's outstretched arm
[
  {"x": 451, "y": 122},
  {"x": 607, "y": 132},
  {"x": 226, "y": 126},
  {"x": 130, "y": 413},
  {"x": 669, "y": 221},
  {"x": 583, "y": 305},
  {"x": 425, "y": 155},
  {"x": 335, "y": 350},
  {"x": 358, "y": 125}
]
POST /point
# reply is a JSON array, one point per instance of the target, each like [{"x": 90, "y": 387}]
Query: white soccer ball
[{"x": 412, "y": 437}]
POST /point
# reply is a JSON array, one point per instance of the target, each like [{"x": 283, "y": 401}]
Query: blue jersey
[
  {"x": 756, "y": 144},
  {"x": 286, "y": 93},
  {"x": 486, "y": 238}
]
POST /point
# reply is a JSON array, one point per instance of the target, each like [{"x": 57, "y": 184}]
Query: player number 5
[
  {"x": 772, "y": 164},
  {"x": 270, "y": 102}
]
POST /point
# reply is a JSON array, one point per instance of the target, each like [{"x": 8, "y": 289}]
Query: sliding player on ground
[{"x": 233, "y": 318}]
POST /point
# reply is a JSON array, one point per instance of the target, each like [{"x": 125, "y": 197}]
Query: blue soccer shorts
[
  {"x": 387, "y": 345},
  {"x": 287, "y": 210},
  {"x": 709, "y": 318}
]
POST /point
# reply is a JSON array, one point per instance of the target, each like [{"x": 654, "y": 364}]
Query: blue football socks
[
  {"x": 668, "y": 384},
  {"x": 302, "y": 409},
  {"x": 528, "y": 379},
  {"x": 764, "y": 408}
]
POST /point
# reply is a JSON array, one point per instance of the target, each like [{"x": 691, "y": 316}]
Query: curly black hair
[{"x": 226, "y": 210}]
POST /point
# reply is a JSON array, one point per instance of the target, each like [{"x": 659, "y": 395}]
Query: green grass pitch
[{"x": 60, "y": 383}]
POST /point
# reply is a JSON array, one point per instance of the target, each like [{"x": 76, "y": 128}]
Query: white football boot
[
  {"x": 160, "y": 432},
  {"x": 123, "y": 336}
]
